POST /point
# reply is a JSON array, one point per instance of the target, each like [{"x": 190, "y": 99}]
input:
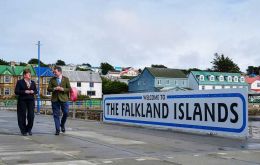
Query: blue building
[
  {"x": 158, "y": 79},
  {"x": 45, "y": 75}
]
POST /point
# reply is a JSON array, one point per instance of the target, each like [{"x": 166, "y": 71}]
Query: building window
[
  {"x": 20, "y": 77},
  {"x": 78, "y": 84},
  {"x": 235, "y": 79},
  {"x": 144, "y": 83},
  {"x": 167, "y": 82},
  {"x": 46, "y": 93},
  {"x": 221, "y": 78},
  {"x": 7, "y": 79},
  {"x": 79, "y": 92},
  {"x": 212, "y": 78},
  {"x": 203, "y": 87},
  {"x": 44, "y": 80},
  {"x": 201, "y": 78},
  {"x": 91, "y": 93},
  {"x": 35, "y": 79},
  {"x": 7, "y": 91},
  {"x": 91, "y": 84},
  {"x": 229, "y": 79},
  {"x": 223, "y": 86},
  {"x": 258, "y": 84},
  {"x": 213, "y": 87},
  {"x": 159, "y": 82},
  {"x": 242, "y": 79}
]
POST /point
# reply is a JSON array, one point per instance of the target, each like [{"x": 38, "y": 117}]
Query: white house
[
  {"x": 113, "y": 75},
  {"x": 203, "y": 80},
  {"x": 69, "y": 67},
  {"x": 253, "y": 83},
  {"x": 130, "y": 72},
  {"x": 87, "y": 82}
]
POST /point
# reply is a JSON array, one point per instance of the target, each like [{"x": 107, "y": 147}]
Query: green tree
[
  {"x": 60, "y": 63},
  {"x": 186, "y": 72},
  {"x": 23, "y": 64},
  {"x": 3, "y": 62},
  {"x": 35, "y": 61},
  {"x": 224, "y": 64},
  {"x": 253, "y": 70},
  {"x": 105, "y": 67},
  {"x": 86, "y": 64},
  {"x": 158, "y": 66},
  {"x": 81, "y": 69},
  {"x": 113, "y": 87}
]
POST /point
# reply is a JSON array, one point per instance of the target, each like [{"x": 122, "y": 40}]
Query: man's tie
[{"x": 59, "y": 81}]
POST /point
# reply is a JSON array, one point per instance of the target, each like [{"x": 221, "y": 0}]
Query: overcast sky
[{"x": 175, "y": 33}]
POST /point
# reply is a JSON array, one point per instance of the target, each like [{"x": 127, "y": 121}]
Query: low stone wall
[
  {"x": 254, "y": 109},
  {"x": 88, "y": 114}
]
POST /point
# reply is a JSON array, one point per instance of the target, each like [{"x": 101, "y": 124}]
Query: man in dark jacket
[
  {"x": 25, "y": 89},
  {"x": 60, "y": 87}
]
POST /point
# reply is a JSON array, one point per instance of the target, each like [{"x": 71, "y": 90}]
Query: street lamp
[{"x": 39, "y": 90}]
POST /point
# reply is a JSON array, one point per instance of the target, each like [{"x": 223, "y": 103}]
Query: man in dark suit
[
  {"x": 60, "y": 87},
  {"x": 25, "y": 89}
]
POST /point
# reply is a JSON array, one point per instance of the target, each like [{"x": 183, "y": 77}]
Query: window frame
[
  {"x": 202, "y": 78},
  {"x": 211, "y": 78}
]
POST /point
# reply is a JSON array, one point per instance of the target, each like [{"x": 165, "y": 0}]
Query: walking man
[
  {"x": 25, "y": 89},
  {"x": 60, "y": 87}
]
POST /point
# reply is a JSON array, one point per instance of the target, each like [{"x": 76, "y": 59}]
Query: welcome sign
[{"x": 222, "y": 112}]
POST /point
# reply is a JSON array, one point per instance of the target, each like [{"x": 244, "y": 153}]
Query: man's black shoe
[
  {"x": 63, "y": 129},
  {"x": 30, "y": 133},
  {"x": 24, "y": 134},
  {"x": 57, "y": 133}
]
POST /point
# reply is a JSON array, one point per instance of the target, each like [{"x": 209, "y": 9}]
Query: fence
[{"x": 84, "y": 109}]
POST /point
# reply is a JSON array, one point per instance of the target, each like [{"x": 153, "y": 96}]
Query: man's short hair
[
  {"x": 26, "y": 70},
  {"x": 58, "y": 68}
]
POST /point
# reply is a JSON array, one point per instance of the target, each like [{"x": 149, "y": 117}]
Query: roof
[
  {"x": 18, "y": 70},
  {"x": 82, "y": 76},
  {"x": 174, "y": 89},
  {"x": 6, "y": 70},
  {"x": 15, "y": 70},
  {"x": 166, "y": 72},
  {"x": 207, "y": 74},
  {"x": 44, "y": 71},
  {"x": 250, "y": 80}
]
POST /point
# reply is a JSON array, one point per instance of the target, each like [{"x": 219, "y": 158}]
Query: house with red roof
[{"x": 253, "y": 83}]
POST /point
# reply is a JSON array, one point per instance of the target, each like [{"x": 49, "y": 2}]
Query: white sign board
[{"x": 222, "y": 112}]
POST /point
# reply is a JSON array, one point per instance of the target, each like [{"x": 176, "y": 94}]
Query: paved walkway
[{"x": 95, "y": 143}]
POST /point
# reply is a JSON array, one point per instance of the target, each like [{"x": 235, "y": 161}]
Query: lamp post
[{"x": 39, "y": 90}]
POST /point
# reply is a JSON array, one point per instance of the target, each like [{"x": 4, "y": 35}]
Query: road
[{"x": 96, "y": 143}]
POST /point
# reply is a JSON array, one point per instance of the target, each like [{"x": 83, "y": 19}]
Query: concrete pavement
[{"x": 94, "y": 143}]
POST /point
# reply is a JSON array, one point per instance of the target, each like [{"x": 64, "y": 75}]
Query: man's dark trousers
[
  {"x": 56, "y": 107},
  {"x": 24, "y": 106}
]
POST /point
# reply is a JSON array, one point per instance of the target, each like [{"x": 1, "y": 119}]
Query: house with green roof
[
  {"x": 158, "y": 79},
  {"x": 6, "y": 80},
  {"x": 9, "y": 76},
  {"x": 204, "y": 80}
]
